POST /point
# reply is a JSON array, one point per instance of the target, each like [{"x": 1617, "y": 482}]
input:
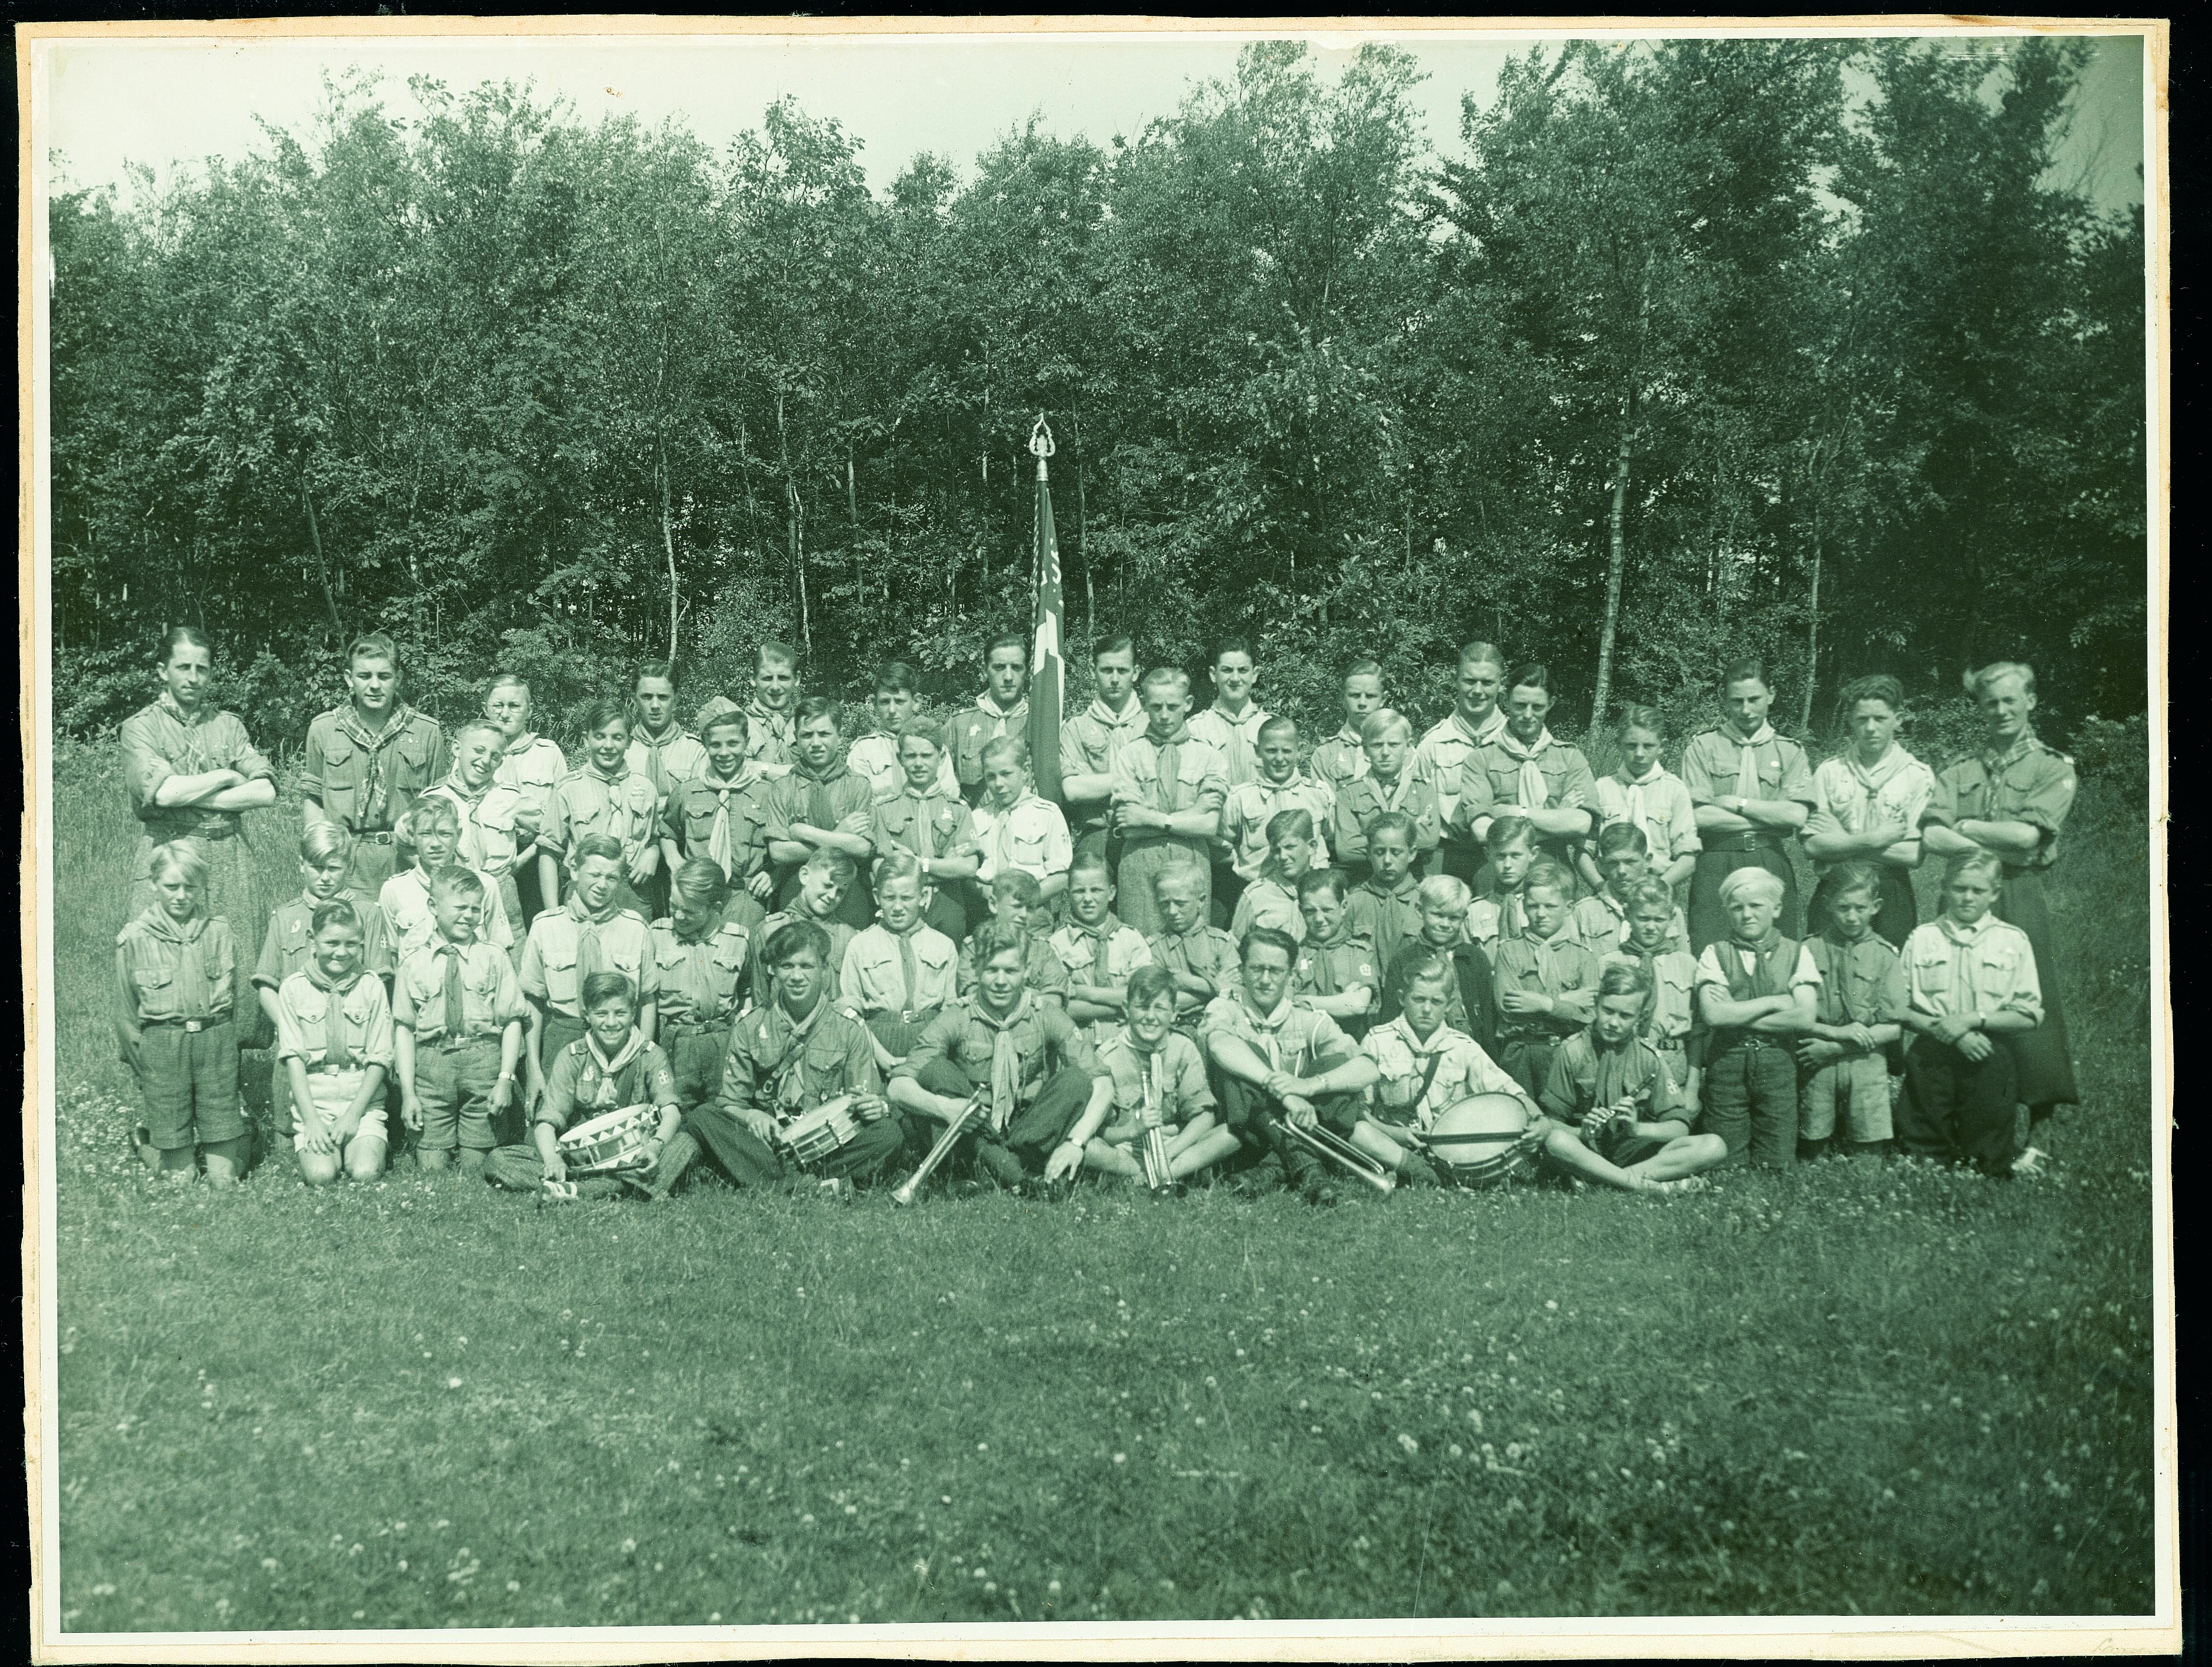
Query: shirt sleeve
[
  {"x": 1797, "y": 779},
  {"x": 660, "y": 1081},
  {"x": 1559, "y": 1097},
  {"x": 1683, "y": 831},
  {"x": 1696, "y": 772},
  {"x": 1806, "y": 973},
  {"x": 1476, "y": 797},
  {"x": 560, "y": 1101},
  {"x": 380, "y": 1048},
  {"x": 739, "y": 1076},
  {"x": 403, "y": 999},
  {"x": 1578, "y": 779},
  {"x": 248, "y": 759},
  {"x": 508, "y": 1004},
  {"x": 648, "y": 966},
  {"x": 376, "y": 949},
  {"x": 291, "y": 1040},
  {"x": 936, "y": 1042},
  {"x": 2045, "y": 803},
  {"x": 1891, "y": 997},
  {"x": 1428, "y": 828},
  {"x": 1942, "y": 806},
  {"x": 1212, "y": 787},
  {"x": 861, "y": 1074},
  {"x": 2025, "y": 996},
  {"x": 1709, "y": 970},
  {"x": 1071, "y": 1045},
  {"x": 144, "y": 766},
  {"x": 1194, "y": 1094},
  {"x": 269, "y": 970},
  {"x": 1331, "y": 1047},
  {"x": 1058, "y": 850},
  {"x": 532, "y": 975},
  {"x": 554, "y": 831}
]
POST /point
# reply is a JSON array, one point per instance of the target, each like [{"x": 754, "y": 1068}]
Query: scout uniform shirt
[
  {"x": 1011, "y": 1058},
  {"x": 1368, "y": 798},
  {"x": 362, "y": 1036},
  {"x": 405, "y": 903},
  {"x": 582, "y": 1083},
  {"x": 1388, "y": 920},
  {"x": 1102, "y": 955},
  {"x": 284, "y": 946},
  {"x": 1204, "y": 952},
  {"x": 1030, "y": 835},
  {"x": 1340, "y": 761},
  {"x": 1490, "y": 918},
  {"x": 1444, "y": 755},
  {"x": 363, "y": 781},
  {"x": 1658, "y": 803},
  {"x": 494, "y": 825},
  {"x": 841, "y": 935},
  {"x": 2027, "y": 783},
  {"x": 1557, "y": 965},
  {"x": 1496, "y": 778},
  {"x": 1601, "y": 920},
  {"x": 1296, "y": 1037},
  {"x": 1585, "y": 1076},
  {"x": 1421, "y": 1078},
  {"x": 722, "y": 818},
  {"x": 931, "y": 825},
  {"x": 1986, "y": 967},
  {"x": 1251, "y": 805},
  {"x": 967, "y": 733},
  {"x": 176, "y": 971},
  {"x": 1741, "y": 973},
  {"x": 1236, "y": 739},
  {"x": 1346, "y": 963},
  {"x": 821, "y": 801},
  {"x": 771, "y": 737},
  {"x": 667, "y": 760},
  {"x": 624, "y": 807},
  {"x": 1719, "y": 761},
  {"x": 1266, "y": 902},
  {"x": 786, "y": 1067},
  {"x": 875, "y": 757},
  {"x": 907, "y": 976},
  {"x": 1673, "y": 1015},
  {"x": 491, "y": 995},
  {"x": 1088, "y": 743},
  {"x": 702, "y": 984},
  {"x": 565, "y": 947},
  {"x": 1200, "y": 782},
  {"x": 1171, "y": 1078},
  {"x": 533, "y": 766},
  {"x": 160, "y": 742}
]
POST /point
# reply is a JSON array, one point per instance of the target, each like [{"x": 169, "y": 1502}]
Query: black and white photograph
[{"x": 1107, "y": 838}]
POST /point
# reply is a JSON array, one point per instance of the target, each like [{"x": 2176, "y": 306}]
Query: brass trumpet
[
  {"x": 1158, "y": 1170},
  {"x": 970, "y": 1115},
  {"x": 1341, "y": 1152}
]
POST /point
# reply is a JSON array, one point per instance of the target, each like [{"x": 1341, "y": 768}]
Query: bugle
[
  {"x": 1341, "y": 1152},
  {"x": 970, "y": 1116},
  {"x": 1159, "y": 1173}
]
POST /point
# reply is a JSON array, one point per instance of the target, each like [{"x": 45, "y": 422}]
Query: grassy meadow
[{"x": 1841, "y": 1390}]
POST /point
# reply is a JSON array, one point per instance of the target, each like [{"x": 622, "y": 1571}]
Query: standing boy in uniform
[
  {"x": 1757, "y": 992},
  {"x": 1090, "y": 740},
  {"x": 1340, "y": 761},
  {"x": 366, "y": 760},
  {"x": 1544, "y": 980},
  {"x": 1168, "y": 786},
  {"x": 1002, "y": 709},
  {"x": 721, "y": 816},
  {"x": 458, "y": 1009},
  {"x": 1843, "y": 1059},
  {"x": 875, "y": 756},
  {"x": 1752, "y": 794},
  {"x": 1231, "y": 727},
  {"x": 1278, "y": 785},
  {"x": 1448, "y": 751},
  {"x": 821, "y": 805},
  {"x": 770, "y": 713}
]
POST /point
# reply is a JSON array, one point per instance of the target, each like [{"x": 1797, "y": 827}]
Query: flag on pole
[{"x": 1047, "y": 672}]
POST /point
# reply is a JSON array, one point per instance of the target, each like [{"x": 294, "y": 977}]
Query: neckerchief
[
  {"x": 457, "y": 1012},
  {"x": 1747, "y": 757},
  {"x": 1493, "y": 726},
  {"x": 158, "y": 921},
  {"x": 1964, "y": 995},
  {"x": 1775, "y": 961},
  {"x": 195, "y": 761},
  {"x": 1394, "y": 795},
  {"x": 1530, "y": 789},
  {"x": 375, "y": 791},
  {"x": 1638, "y": 813},
  {"x": 1873, "y": 778},
  {"x": 1005, "y": 715},
  {"x": 1006, "y": 1058},
  {"x": 1611, "y": 1083},
  {"x": 337, "y": 1048},
  {"x": 521, "y": 744},
  {"x": 820, "y": 813},
  {"x": 789, "y": 1088},
  {"x": 781, "y": 727},
  {"x": 590, "y": 960},
  {"x": 1169, "y": 767},
  {"x": 1267, "y": 1030},
  {"x": 1102, "y": 943},
  {"x": 1994, "y": 762},
  {"x": 654, "y": 745},
  {"x": 1002, "y": 831},
  {"x": 607, "y": 1096},
  {"x": 1114, "y": 720},
  {"x": 718, "y": 840}
]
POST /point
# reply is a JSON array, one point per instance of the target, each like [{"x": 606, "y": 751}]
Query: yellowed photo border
[{"x": 1872, "y": 1638}]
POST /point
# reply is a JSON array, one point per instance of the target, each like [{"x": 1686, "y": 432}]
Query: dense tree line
[{"x": 1685, "y": 350}]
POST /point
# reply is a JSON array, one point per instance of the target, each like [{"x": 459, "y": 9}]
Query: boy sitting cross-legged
[
  {"x": 798, "y": 1051},
  {"x": 1044, "y": 1092},
  {"x": 1610, "y": 1113},
  {"x": 609, "y": 1067},
  {"x": 1098, "y": 952},
  {"x": 1423, "y": 1063},
  {"x": 1159, "y": 1081},
  {"x": 459, "y": 1011}
]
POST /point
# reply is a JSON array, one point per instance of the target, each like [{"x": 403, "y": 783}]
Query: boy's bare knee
[
  {"x": 472, "y": 1161},
  {"x": 433, "y": 1160}
]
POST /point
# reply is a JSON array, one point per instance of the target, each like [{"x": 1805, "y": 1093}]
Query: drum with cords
[
  {"x": 1476, "y": 1139},
  {"x": 820, "y": 1132},
  {"x": 612, "y": 1140}
]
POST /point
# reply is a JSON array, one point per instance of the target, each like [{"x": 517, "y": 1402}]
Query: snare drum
[
  {"x": 612, "y": 1139},
  {"x": 820, "y": 1132},
  {"x": 1474, "y": 1139}
]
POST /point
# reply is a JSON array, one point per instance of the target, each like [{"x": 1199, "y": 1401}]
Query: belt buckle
[
  {"x": 193, "y": 1026},
  {"x": 907, "y": 1017}
]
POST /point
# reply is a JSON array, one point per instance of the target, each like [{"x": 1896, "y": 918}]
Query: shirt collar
[
  {"x": 984, "y": 703},
  {"x": 1014, "y": 1014},
  {"x": 1274, "y": 1021}
]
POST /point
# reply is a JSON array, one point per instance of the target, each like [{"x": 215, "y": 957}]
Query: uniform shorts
[{"x": 188, "y": 1081}]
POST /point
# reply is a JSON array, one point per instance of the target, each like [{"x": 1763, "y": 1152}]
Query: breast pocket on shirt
[
  {"x": 559, "y": 960},
  {"x": 670, "y": 958},
  {"x": 1995, "y": 970},
  {"x": 157, "y": 992},
  {"x": 824, "y": 1064},
  {"x": 340, "y": 770},
  {"x": 1028, "y": 849},
  {"x": 415, "y": 753}
]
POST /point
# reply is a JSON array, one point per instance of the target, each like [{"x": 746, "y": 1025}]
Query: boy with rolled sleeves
[
  {"x": 1201, "y": 959},
  {"x": 432, "y": 830},
  {"x": 612, "y": 1067},
  {"x": 927, "y": 818},
  {"x": 1753, "y": 793},
  {"x": 722, "y": 814},
  {"x": 1159, "y": 1081},
  {"x": 1448, "y": 750},
  {"x": 1168, "y": 786},
  {"x": 458, "y": 1011},
  {"x": 770, "y": 711},
  {"x": 1276, "y": 785},
  {"x": 1099, "y": 952},
  {"x": 1970, "y": 978},
  {"x": 1340, "y": 761},
  {"x": 900, "y": 972},
  {"x": 1757, "y": 992},
  {"x": 1843, "y": 1060},
  {"x": 1545, "y": 979},
  {"x": 798, "y": 1051},
  {"x": 1044, "y": 1092},
  {"x": 824, "y": 881},
  {"x": 1336, "y": 973},
  {"x": 1385, "y": 907},
  {"x": 1423, "y": 1063},
  {"x": 1002, "y": 709},
  {"x": 702, "y": 960},
  {"x": 821, "y": 805},
  {"x": 366, "y": 760},
  {"x": 893, "y": 703},
  {"x": 591, "y": 932},
  {"x": 1276, "y": 1058},
  {"x": 1090, "y": 740},
  {"x": 1389, "y": 788}
]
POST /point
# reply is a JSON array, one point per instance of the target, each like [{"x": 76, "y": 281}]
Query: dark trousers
[
  {"x": 749, "y": 1161},
  {"x": 1528, "y": 1058},
  {"x": 1709, "y": 921},
  {"x": 696, "y": 1054},
  {"x": 1256, "y": 1118},
  {"x": 1033, "y": 1131},
  {"x": 1956, "y": 1111},
  {"x": 1228, "y": 886},
  {"x": 1751, "y": 1100}
]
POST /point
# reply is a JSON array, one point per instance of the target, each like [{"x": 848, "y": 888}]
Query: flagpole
[{"x": 1048, "y": 674}]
